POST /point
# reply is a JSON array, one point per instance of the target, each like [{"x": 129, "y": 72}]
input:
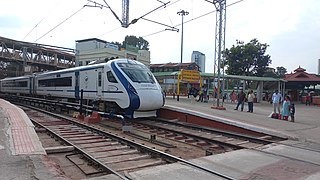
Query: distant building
[
  {"x": 93, "y": 49},
  {"x": 172, "y": 67},
  {"x": 270, "y": 70},
  {"x": 200, "y": 59}
]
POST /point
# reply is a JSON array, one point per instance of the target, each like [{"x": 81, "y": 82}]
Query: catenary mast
[{"x": 220, "y": 6}]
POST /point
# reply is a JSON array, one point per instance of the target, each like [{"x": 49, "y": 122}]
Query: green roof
[
  {"x": 203, "y": 74},
  {"x": 165, "y": 73},
  {"x": 254, "y": 78}
]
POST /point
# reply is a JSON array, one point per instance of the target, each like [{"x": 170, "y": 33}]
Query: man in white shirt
[{"x": 276, "y": 100}]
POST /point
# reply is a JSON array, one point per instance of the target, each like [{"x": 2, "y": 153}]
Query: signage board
[{"x": 189, "y": 75}]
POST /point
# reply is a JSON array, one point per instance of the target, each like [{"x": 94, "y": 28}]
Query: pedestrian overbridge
[{"x": 35, "y": 57}]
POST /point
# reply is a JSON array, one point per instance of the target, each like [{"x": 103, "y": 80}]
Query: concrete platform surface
[
  {"x": 21, "y": 152},
  {"x": 306, "y": 127}
]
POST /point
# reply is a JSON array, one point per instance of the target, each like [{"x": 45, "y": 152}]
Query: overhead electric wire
[
  {"x": 192, "y": 19},
  {"x": 59, "y": 24},
  {"x": 41, "y": 20},
  {"x": 110, "y": 31},
  {"x": 33, "y": 28}
]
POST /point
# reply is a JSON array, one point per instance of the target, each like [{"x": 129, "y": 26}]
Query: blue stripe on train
[{"x": 134, "y": 100}]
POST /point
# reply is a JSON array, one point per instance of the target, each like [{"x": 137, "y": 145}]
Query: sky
[{"x": 289, "y": 27}]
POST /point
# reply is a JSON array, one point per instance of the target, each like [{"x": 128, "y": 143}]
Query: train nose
[{"x": 150, "y": 100}]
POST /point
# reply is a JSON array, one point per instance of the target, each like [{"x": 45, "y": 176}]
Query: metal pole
[
  {"x": 219, "y": 55},
  {"x": 81, "y": 98},
  {"x": 181, "y": 55},
  {"x": 182, "y": 13}
]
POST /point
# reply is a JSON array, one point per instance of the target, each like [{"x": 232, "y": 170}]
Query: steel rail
[
  {"x": 227, "y": 133},
  {"x": 142, "y": 148},
  {"x": 80, "y": 150}
]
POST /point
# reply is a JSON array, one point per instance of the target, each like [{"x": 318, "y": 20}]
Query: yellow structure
[{"x": 189, "y": 76}]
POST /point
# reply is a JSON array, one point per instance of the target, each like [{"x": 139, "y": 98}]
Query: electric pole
[{"x": 219, "y": 43}]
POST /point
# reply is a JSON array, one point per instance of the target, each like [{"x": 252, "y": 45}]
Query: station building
[{"x": 94, "y": 49}]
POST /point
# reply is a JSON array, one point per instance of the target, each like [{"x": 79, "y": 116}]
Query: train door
[
  {"x": 31, "y": 86},
  {"x": 76, "y": 86},
  {"x": 99, "y": 82}
]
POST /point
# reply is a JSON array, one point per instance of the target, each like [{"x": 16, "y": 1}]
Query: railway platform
[
  {"x": 306, "y": 127},
  {"x": 21, "y": 152}
]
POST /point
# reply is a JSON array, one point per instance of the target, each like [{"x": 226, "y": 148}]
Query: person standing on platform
[
  {"x": 233, "y": 97},
  {"x": 292, "y": 111},
  {"x": 194, "y": 93},
  {"x": 308, "y": 99},
  {"x": 201, "y": 94},
  {"x": 191, "y": 93},
  {"x": 250, "y": 101},
  {"x": 286, "y": 108},
  {"x": 241, "y": 98},
  {"x": 276, "y": 100},
  {"x": 205, "y": 94}
]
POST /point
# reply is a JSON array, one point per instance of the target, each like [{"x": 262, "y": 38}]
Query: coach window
[
  {"x": 57, "y": 82},
  {"x": 99, "y": 79},
  {"x": 111, "y": 78},
  {"x": 22, "y": 84}
]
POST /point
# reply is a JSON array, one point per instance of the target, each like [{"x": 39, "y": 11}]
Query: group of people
[
  {"x": 203, "y": 94},
  {"x": 288, "y": 108},
  {"x": 242, "y": 98}
]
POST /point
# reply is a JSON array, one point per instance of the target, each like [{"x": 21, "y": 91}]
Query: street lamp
[{"x": 182, "y": 13}]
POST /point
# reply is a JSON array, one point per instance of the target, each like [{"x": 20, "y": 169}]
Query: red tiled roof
[
  {"x": 299, "y": 69},
  {"x": 301, "y": 75}
]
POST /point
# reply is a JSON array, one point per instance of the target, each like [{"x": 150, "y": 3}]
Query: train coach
[
  {"x": 122, "y": 86},
  {"x": 17, "y": 85}
]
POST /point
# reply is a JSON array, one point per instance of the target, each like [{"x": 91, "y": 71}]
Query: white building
[
  {"x": 94, "y": 49},
  {"x": 200, "y": 59}
]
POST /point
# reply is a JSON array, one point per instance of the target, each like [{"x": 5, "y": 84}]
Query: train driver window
[{"x": 111, "y": 78}]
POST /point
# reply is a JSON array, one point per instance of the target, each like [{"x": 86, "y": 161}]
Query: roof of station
[
  {"x": 208, "y": 75},
  {"x": 301, "y": 76}
]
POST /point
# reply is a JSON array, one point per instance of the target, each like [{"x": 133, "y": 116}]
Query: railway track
[
  {"x": 211, "y": 140},
  {"x": 106, "y": 151}
]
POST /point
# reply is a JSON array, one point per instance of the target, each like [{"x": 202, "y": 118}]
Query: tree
[
  {"x": 118, "y": 44},
  {"x": 281, "y": 71},
  {"x": 140, "y": 43},
  {"x": 10, "y": 69},
  {"x": 247, "y": 59}
]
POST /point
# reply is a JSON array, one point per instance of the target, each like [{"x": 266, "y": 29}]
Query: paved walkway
[
  {"x": 24, "y": 139},
  {"x": 305, "y": 128},
  {"x": 21, "y": 152}
]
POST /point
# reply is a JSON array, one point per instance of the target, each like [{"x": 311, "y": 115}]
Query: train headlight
[{"x": 132, "y": 89}]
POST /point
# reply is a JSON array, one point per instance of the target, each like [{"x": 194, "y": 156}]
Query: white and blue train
[{"x": 124, "y": 86}]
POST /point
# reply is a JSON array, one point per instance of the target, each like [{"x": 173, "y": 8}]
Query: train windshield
[{"x": 137, "y": 72}]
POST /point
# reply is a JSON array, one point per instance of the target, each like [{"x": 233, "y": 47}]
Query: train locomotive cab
[{"x": 143, "y": 90}]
